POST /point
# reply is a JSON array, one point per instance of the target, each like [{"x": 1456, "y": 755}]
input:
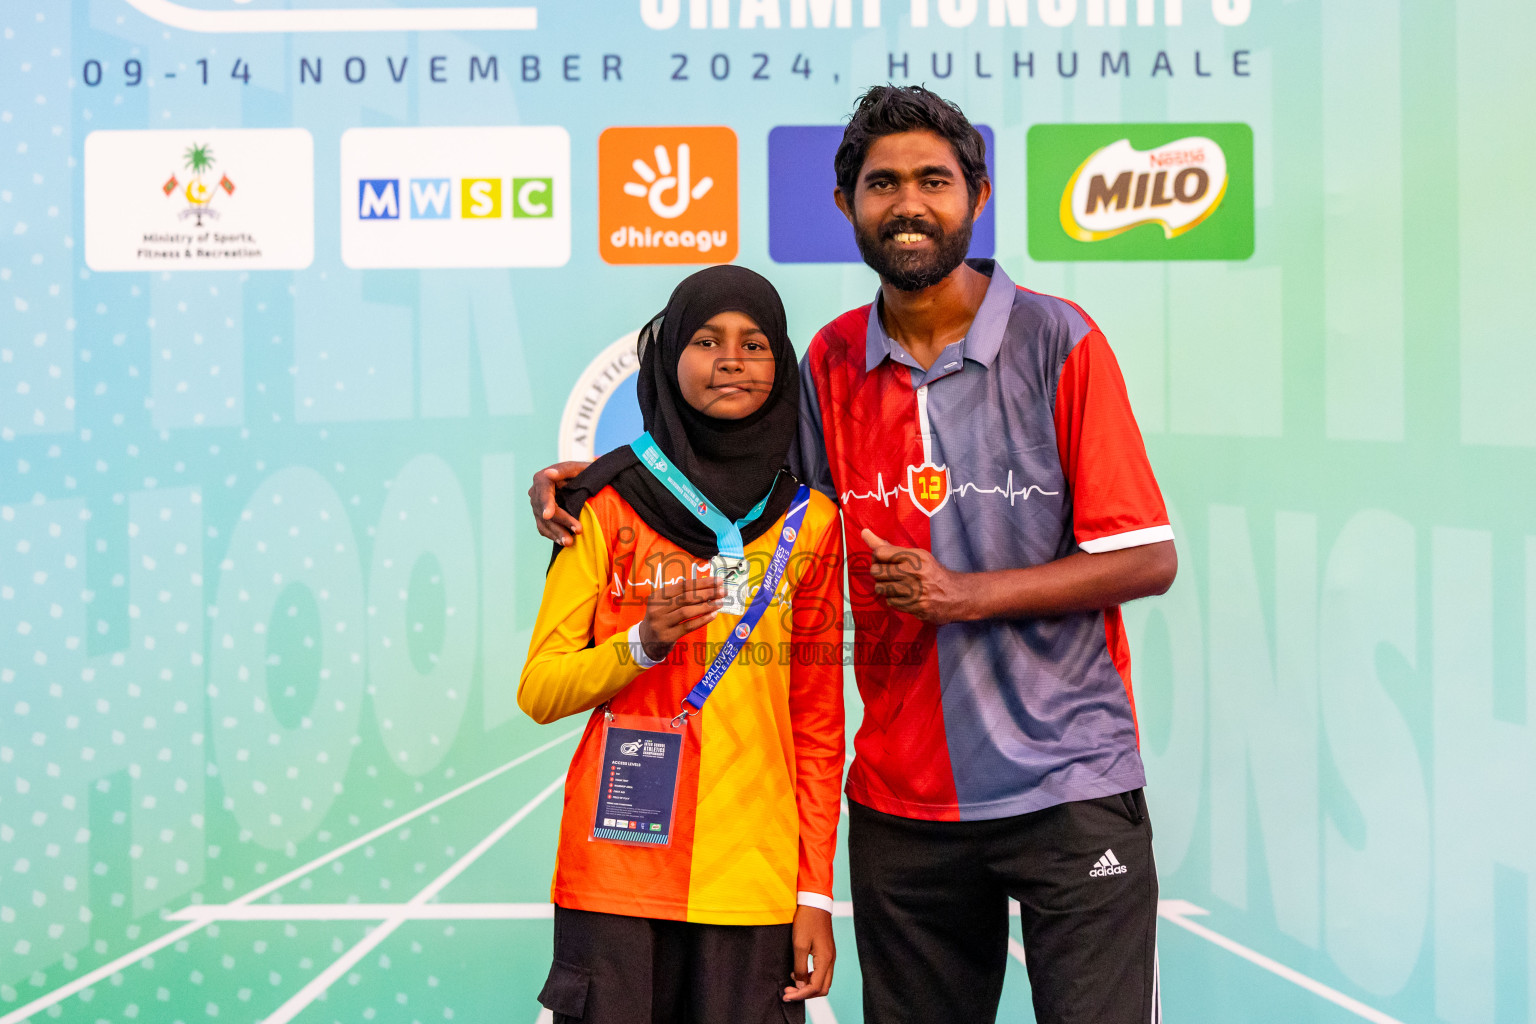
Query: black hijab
[{"x": 733, "y": 462}]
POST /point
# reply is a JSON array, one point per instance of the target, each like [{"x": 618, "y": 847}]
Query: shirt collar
[{"x": 984, "y": 339}]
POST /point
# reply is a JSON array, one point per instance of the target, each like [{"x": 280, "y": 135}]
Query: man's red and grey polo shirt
[{"x": 1015, "y": 448}]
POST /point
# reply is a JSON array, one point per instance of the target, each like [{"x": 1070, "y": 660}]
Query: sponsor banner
[
  {"x": 667, "y": 195},
  {"x": 221, "y": 199},
  {"x": 455, "y": 197},
  {"x": 1141, "y": 192},
  {"x": 804, "y": 223}
]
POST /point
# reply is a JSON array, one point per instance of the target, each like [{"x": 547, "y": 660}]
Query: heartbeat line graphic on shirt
[
  {"x": 656, "y": 581},
  {"x": 884, "y": 494}
]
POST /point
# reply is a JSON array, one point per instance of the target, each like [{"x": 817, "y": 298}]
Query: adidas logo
[{"x": 1107, "y": 865}]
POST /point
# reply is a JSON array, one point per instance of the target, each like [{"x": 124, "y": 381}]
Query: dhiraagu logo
[
  {"x": 1141, "y": 192},
  {"x": 667, "y": 195}
]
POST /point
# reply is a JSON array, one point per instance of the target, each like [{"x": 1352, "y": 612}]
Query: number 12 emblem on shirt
[{"x": 928, "y": 486}]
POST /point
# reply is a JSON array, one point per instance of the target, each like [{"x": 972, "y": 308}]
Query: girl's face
[{"x": 726, "y": 369}]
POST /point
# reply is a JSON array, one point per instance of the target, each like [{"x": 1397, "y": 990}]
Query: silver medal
[{"x": 732, "y": 572}]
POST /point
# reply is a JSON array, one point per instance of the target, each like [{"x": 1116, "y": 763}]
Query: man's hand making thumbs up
[{"x": 911, "y": 580}]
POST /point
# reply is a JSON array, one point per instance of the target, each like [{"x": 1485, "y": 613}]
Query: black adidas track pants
[{"x": 930, "y": 913}]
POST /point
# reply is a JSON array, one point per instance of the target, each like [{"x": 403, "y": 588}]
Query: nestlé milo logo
[{"x": 1141, "y": 192}]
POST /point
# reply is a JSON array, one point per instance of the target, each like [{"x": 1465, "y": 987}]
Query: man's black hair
[{"x": 889, "y": 109}]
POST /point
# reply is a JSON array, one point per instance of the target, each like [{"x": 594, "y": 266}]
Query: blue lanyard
[
  {"x": 770, "y": 585},
  {"x": 727, "y": 533}
]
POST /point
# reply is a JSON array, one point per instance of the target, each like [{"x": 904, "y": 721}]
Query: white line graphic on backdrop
[
  {"x": 90, "y": 978},
  {"x": 344, "y": 963},
  {"x": 820, "y": 1011},
  {"x": 354, "y": 19},
  {"x": 1179, "y": 912},
  {"x": 209, "y": 912}
]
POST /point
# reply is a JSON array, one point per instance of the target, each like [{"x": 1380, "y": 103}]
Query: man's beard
[{"x": 912, "y": 271}]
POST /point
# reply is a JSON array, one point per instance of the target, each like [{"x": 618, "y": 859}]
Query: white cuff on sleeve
[
  {"x": 1129, "y": 539},
  {"x": 638, "y": 648},
  {"x": 814, "y": 899}
]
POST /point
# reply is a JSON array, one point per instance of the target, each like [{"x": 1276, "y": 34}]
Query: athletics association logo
[
  {"x": 602, "y": 411},
  {"x": 1141, "y": 192},
  {"x": 742, "y": 632},
  {"x": 667, "y": 195}
]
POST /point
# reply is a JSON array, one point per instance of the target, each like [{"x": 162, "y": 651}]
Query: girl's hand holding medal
[{"x": 677, "y": 609}]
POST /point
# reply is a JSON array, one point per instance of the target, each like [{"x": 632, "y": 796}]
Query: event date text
[
  {"x": 528, "y": 69},
  {"x": 439, "y": 69}
]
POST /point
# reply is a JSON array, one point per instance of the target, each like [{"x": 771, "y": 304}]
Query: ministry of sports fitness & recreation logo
[
  {"x": 198, "y": 162},
  {"x": 200, "y": 220},
  {"x": 667, "y": 195},
  {"x": 1141, "y": 192}
]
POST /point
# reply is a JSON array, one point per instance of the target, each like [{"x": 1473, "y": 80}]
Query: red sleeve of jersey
[{"x": 1115, "y": 500}]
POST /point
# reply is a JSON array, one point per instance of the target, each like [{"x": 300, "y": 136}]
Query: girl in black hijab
[
  {"x": 727, "y": 918},
  {"x": 733, "y": 461}
]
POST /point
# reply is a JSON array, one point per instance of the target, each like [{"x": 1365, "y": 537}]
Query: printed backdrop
[{"x": 297, "y": 295}]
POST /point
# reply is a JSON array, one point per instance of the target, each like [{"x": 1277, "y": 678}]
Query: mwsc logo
[
  {"x": 1141, "y": 192},
  {"x": 439, "y": 199},
  {"x": 455, "y": 197}
]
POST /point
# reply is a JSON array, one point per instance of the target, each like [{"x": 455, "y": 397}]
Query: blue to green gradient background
[{"x": 266, "y": 571}]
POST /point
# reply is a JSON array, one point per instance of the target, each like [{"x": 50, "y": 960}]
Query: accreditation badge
[
  {"x": 733, "y": 573},
  {"x": 637, "y": 780}
]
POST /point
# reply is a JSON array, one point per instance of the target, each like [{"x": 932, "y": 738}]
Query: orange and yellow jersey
[{"x": 755, "y": 822}]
